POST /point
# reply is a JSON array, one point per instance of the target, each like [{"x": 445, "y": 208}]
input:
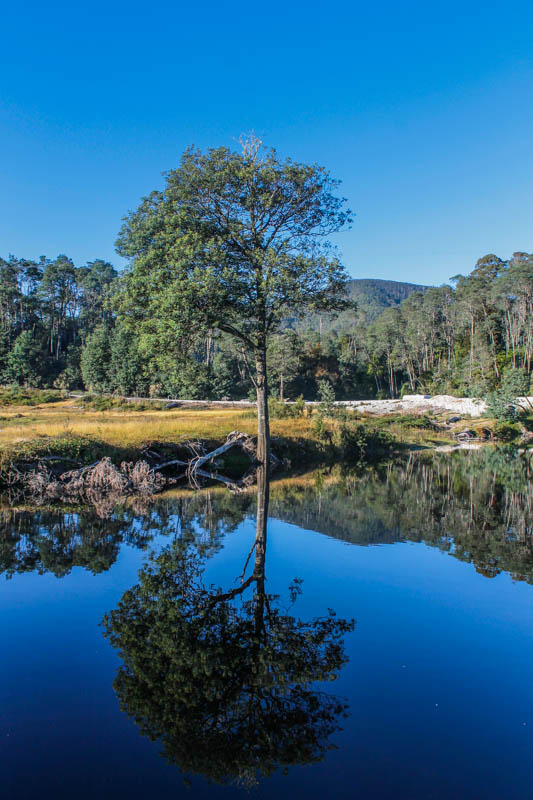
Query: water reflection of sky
[{"x": 438, "y": 682}]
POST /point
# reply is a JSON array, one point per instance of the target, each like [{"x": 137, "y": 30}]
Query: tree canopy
[{"x": 236, "y": 242}]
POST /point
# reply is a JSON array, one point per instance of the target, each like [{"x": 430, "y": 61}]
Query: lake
[{"x": 334, "y": 634}]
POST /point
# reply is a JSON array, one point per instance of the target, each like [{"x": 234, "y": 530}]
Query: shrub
[
  {"x": 299, "y": 406},
  {"x": 107, "y": 403},
  {"x": 506, "y": 431},
  {"x": 326, "y": 395},
  {"x": 502, "y": 403},
  {"x": 277, "y": 409},
  {"x": 319, "y": 429},
  {"x": 16, "y": 396},
  {"x": 360, "y": 444}
]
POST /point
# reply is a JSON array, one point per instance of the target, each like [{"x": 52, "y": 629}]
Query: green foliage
[
  {"x": 326, "y": 395},
  {"x": 26, "y": 361},
  {"x": 235, "y": 243},
  {"x": 280, "y": 410},
  {"x": 16, "y": 396},
  {"x": 507, "y": 431},
  {"x": 70, "y": 377},
  {"x": 503, "y": 403},
  {"x": 177, "y": 326},
  {"x": 95, "y": 358},
  {"x": 320, "y": 430},
  {"x": 81, "y": 449},
  {"x": 299, "y": 406},
  {"x": 108, "y": 403},
  {"x": 206, "y": 274},
  {"x": 360, "y": 444},
  {"x": 125, "y": 365}
]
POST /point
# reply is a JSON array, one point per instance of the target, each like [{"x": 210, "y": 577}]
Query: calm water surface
[{"x": 430, "y": 695}]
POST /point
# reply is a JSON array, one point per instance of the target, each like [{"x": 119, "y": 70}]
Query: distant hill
[
  {"x": 373, "y": 291},
  {"x": 372, "y": 296}
]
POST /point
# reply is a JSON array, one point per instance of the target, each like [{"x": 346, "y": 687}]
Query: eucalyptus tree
[
  {"x": 235, "y": 242},
  {"x": 60, "y": 301},
  {"x": 474, "y": 296},
  {"x": 95, "y": 281},
  {"x": 513, "y": 294}
]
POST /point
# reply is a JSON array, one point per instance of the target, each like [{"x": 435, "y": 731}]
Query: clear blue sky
[{"x": 423, "y": 109}]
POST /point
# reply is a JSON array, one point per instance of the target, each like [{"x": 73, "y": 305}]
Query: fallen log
[
  {"x": 235, "y": 439},
  {"x": 175, "y": 462}
]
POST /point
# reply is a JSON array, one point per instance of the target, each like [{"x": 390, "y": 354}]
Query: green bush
[
  {"x": 506, "y": 431},
  {"x": 501, "y": 406},
  {"x": 16, "y": 396},
  {"x": 326, "y": 395},
  {"x": 360, "y": 444},
  {"x": 319, "y": 429},
  {"x": 107, "y": 403},
  {"x": 502, "y": 403},
  {"x": 277, "y": 409}
]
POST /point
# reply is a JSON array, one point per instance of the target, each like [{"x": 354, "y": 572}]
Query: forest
[{"x": 59, "y": 328}]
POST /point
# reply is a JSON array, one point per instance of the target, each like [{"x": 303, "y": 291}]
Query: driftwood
[
  {"x": 235, "y": 439},
  {"x": 103, "y": 484}
]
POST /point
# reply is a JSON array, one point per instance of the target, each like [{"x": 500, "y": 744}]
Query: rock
[
  {"x": 455, "y": 419},
  {"x": 466, "y": 435}
]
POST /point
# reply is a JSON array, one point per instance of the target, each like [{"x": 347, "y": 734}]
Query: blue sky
[{"x": 423, "y": 110}]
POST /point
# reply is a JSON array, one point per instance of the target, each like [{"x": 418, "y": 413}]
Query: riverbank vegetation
[{"x": 70, "y": 426}]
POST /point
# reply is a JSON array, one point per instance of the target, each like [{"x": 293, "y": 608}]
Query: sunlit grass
[{"x": 131, "y": 429}]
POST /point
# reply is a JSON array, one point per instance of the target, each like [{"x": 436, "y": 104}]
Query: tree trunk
[
  {"x": 263, "y": 493},
  {"x": 263, "y": 425}
]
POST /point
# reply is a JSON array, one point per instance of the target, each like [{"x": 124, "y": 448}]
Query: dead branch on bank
[{"x": 103, "y": 484}]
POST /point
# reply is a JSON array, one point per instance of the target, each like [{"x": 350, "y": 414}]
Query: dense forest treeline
[{"x": 58, "y": 328}]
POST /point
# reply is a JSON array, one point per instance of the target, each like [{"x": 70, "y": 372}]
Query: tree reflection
[
  {"x": 478, "y": 506},
  {"x": 225, "y": 680},
  {"x": 56, "y": 540}
]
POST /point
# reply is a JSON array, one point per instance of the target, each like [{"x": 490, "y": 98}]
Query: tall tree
[{"x": 235, "y": 241}]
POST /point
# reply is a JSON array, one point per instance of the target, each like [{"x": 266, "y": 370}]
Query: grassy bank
[
  {"x": 35, "y": 424},
  {"x": 86, "y": 430}
]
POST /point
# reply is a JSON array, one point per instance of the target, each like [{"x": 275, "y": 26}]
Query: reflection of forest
[
  {"x": 52, "y": 540},
  {"x": 477, "y": 505}
]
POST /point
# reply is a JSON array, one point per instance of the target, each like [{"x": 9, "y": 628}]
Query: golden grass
[{"x": 133, "y": 428}]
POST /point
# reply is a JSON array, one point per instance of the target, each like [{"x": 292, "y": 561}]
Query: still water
[{"x": 373, "y": 638}]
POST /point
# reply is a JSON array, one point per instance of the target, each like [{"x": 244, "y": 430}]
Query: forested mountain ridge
[
  {"x": 382, "y": 292},
  {"x": 372, "y": 296},
  {"x": 59, "y": 328}
]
